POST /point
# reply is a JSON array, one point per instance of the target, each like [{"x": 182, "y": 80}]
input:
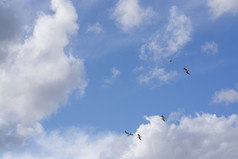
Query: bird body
[
  {"x": 128, "y": 134},
  {"x": 139, "y": 136},
  {"x": 187, "y": 71},
  {"x": 163, "y": 118}
]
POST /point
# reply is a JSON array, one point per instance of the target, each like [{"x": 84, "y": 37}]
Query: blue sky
[{"x": 89, "y": 69}]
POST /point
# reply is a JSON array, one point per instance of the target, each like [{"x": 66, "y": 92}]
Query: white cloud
[
  {"x": 73, "y": 143},
  {"x": 40, "y": 75},
  {"x": 175, "y": 116},
  {"x": 168, "y": 42},
  {"x": 12, "y": 135},
  {"x": 225, "y": 95},
  {"x": 163, "y": 45},
  {"x": 157, "y": 74},
  {"x": 9, "y": 32},
  {"x": 10, "y": 26},
  {"x": 220, "y": 7},
  {"x": 204, "y": 136},
  {"x": 29, "y": 131},
  {"x": 114, "y": 74},
  {"x": 96, "y": 28},
  {"x": 129, "y": 14},
  {"x": 210, "y": 48}
]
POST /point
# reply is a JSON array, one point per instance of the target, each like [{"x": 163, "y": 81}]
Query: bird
[
  {"x": 187, "y": 71},
  {"x": 163, "y": 118},
  {"x": 139, "y": 136},
  {"x": 128, "y": 134},
  {"x": 170, "y": 60}
]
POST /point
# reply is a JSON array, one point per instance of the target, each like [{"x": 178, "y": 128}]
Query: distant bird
[
  {"x": 128, "y": 134},
  {"x": 163, "y": 118},
  {"x": 187, "y": 71},
  {"x": 170, "y": 60},
  {"x": 139, "y": 137}
]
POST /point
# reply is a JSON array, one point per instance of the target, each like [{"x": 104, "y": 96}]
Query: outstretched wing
[
  {"x": 188, "y": 72},
  {"x": 128, "y": 133}
]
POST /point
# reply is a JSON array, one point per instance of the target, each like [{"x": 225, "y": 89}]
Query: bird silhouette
[
  {"x": 128, "y": 134},
  {"x": 163, "y": 118},
  {"x": 187, "y": 71}
]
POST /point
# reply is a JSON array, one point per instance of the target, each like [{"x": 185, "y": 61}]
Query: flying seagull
[
  {"x": 139, "y": 137},
  {"x": 128, "y": 134},
  {"x": 162, "y": 117},
  {"x": 187, "y": 71}
]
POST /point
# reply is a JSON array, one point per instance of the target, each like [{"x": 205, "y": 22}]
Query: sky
[{"x": 75, "y": 74}]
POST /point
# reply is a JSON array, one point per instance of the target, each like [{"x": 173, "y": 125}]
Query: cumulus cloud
[
  {"x": 175, "y": 116},
  {"x": 96, "y": 28},
  {"x": 40, "y": 75},
  {"x": 9, "y": 30},
  {"x": 225, "y": 95},
  {"x": 203, "y": 136},
  {"x": 13, "y": 135},
  {"x": 210, "y": 48},
  {"x": 165, "y": 44},
  {"x": 72, "y": 143},
  {"x": 220, "y": 7},
  {"x": 129, "y": 14},
  {"x": 9, "y": 24},
  {"x": 114, "y": 74}
]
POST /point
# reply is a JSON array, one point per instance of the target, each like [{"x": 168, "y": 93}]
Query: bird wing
[{"x": 128, "y": 133}]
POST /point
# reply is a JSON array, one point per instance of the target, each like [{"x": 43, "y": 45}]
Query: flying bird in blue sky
[
  {"x": 187, "y": 71},
  {"x": 162, "y": 117},
  {"x": 75, "y": 73},
  {"x": 128, "y": 134}
]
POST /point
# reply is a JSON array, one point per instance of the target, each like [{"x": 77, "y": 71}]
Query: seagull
[
  {"x": 139, "y": 137},
  {"x": 163, "y": 118},
  {"x": 128, "y": 134},
  {"x": 187, "y": 71}
]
